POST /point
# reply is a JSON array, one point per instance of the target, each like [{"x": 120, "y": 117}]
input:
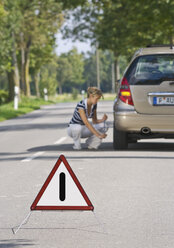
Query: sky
[{"x": 64, "y": 46}]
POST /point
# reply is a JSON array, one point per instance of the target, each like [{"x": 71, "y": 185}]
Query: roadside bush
[
  {"x": 3, "y": 97},
  {"x": 75, "y": 93}
]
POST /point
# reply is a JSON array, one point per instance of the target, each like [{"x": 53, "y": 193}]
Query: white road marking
[
  {"x": 18, "y": 196},
  {"x": 37, "y": 154},
  {"x": 59, "y": 141}
]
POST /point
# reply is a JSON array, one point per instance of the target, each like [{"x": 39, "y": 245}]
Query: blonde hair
[{"x": 94, "y": 91}]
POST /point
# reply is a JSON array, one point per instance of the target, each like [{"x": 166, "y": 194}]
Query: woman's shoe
[
  {"x": 76, "y": 148},
  {"x": 92, "y": 148}
]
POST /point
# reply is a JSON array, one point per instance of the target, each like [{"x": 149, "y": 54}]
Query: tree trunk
[
  {"x": 117, "y": 70},
  {"x": 60, "y": 89},
  {"x": 16, "y": 75},
  {"x": 98, "y": 67},
  {"x": 36, "y": 81},
  {"x": 113, "y": 78},
  {"x": 26, "y": 68},
  {"x": 13, "y": 75},
  {"x": 117, "y": 73},
  {"x": 10, "y": 85},
  {"x": 27, "y": 79},
  {"x": 171, "y": 40},
  {"x": 15, "y": 64},
  {"x": 22, "y": 64}
]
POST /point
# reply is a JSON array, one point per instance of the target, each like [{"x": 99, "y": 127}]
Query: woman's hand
[
  {"x": 89, "y": 126},
  {"x": 105, "y": 117},
  {"x": 102, "y": 136}
]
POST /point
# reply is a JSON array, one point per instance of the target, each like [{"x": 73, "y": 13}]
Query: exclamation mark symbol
[{"x": 62, "y": 186}]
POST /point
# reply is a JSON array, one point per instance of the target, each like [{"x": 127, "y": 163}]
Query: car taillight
[{"x": 125, "y": 93}]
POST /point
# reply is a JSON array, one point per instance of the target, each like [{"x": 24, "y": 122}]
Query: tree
[
  {"x": 48, "y": 78},
  {"x": 90, "y": 71},
  {"x": 40, "y": 56},
  {"x": 77, "y": 66},
  {"x": 41, "y": 20},
  {"x": 70, "y": 71},
  {"x": 5, "y": 43},
  {"x": 63, "y": 71},
  {"x": 9, "y": 26},
  {"x": 122, "y": 26},
  {"x": 26, "y": 27}
]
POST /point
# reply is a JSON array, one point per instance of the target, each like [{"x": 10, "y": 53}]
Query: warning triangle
[{"x": 62, "y": 190}]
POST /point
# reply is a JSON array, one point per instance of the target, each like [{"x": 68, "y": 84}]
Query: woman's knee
[
  {"x": 69, "y": 132},
  {"x": 76, "y": 130}
]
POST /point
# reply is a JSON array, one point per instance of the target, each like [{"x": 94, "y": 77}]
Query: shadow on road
[
  {"x": 96, "y": 154},
  {"x": 68, "y": 147},
  {"x": 15, "y": 243},
  {"x": 108, "y": 146},
  {"x": 33, "y": 126},
  {"x": 22, "y": 127},
  {"x": 151, "y": 146}
]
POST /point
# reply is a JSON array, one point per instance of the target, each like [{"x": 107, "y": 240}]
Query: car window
[{"x": 151, "y": 69}]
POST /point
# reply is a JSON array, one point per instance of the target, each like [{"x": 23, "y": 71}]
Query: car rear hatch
[{"x": 151, "y": 80}]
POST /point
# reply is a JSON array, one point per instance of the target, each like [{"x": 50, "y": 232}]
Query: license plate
[{"x": 163, "y": 100}]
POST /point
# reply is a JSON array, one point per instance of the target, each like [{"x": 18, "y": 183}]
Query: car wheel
[{"x": 120, "y": 139}]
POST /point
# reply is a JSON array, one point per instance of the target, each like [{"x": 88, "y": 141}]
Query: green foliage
[
  {"x": 77, "y": 66},
  {"x": 123, "y": 62},
  {"x": 3, "y": 96},
  {"x": 106, "y": 60},
  {"x": 3, "y": 82},
  {"x": 124, "y": 25},
  {"x": 105, "y": 69},
  {"x": 48, "y": 79},
  {"x": 28, "y": 29},
  {"x": 90, "y": 70},
  {"x": 63, "y": 71},
  {"x": 70, "y": 70},
  {"x": 68, "y": 4},
  {"x": 75, "y": 93}
]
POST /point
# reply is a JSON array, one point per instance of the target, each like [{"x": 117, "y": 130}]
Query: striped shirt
[{"x": 76, "y": 119}]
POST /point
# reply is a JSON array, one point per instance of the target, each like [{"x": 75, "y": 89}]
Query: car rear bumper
[{"x": 131, "y": 121}]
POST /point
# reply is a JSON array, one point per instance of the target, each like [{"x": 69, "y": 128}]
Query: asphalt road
[{"x": 132, "y": 191}]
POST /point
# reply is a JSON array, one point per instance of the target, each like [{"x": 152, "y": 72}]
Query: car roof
[{"x": 154, "y": 50}]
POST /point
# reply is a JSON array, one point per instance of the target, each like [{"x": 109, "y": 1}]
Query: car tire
[{"x": 120, "y": 139}]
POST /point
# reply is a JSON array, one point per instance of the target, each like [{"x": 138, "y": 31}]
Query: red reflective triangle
[{"x": 88, "y": 204}]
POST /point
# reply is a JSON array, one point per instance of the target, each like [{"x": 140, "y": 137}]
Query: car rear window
[{"x": 151, "y": 69}]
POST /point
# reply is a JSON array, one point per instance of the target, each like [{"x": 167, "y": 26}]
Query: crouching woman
[{"x": 80, "y": 127}]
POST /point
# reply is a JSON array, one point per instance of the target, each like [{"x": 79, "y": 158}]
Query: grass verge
[{"x": 27, "y": 105}]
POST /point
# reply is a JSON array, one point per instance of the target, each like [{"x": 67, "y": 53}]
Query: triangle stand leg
[
  {"x": 99, "y": 222},
  {"x": 16, "y": 228}
]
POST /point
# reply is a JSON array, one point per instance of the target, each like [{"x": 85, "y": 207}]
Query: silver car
[{"x": 144, "y": 107}]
